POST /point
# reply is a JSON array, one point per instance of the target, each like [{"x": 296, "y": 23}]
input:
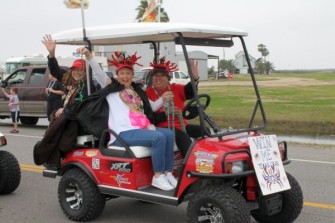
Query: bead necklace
[
  {"x": 170, "y": 110},
  {"x": 132, "y": 99}
]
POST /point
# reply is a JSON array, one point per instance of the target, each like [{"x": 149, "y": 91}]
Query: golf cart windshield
[{"x": 228, "y": 113}]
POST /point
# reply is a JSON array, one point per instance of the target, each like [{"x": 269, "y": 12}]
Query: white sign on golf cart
[{"x": 268, "y": 165}]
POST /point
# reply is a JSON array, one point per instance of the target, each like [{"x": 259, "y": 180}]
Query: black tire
[
  {"x": 29, "y": 120},
  {"x": 10, "y": 173},
  {"x": 217, "y": 204},
  {"x": 292, "y": 205},
  {"x": 79, "y": 197}
]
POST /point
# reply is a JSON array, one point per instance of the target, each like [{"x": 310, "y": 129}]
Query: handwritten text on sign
[{"x": 268, "y": 165}]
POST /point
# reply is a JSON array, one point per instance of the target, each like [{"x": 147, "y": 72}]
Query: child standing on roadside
[{"x": 13, "y": 107}]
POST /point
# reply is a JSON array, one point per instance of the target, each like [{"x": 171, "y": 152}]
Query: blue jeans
[{"x": 160, "y": 140}]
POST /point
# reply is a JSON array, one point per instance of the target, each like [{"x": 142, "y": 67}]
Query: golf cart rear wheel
[
  {"x": 292, "y": 205},
  {"x": 10, "y": 173},
  {"x": 217, "y": 204},
  {"x": 79, "y": 197}
]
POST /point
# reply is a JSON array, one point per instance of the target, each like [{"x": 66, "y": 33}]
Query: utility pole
[
  {"x": 159, "y": 11},
  {"x": 159, "y": 20}
]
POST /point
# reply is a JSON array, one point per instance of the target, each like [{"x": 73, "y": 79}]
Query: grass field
[{"x": 295, "y": 104}]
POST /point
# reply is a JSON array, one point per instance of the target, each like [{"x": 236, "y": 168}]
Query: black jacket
[{"x": 92, "y": 113}]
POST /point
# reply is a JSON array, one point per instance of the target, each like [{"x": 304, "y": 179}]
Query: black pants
[{"x": 183, "y": 139}]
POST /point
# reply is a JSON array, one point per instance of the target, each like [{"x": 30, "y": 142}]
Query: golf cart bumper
[{"x": 190, "y": 174}]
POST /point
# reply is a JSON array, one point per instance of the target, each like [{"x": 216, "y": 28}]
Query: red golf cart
[{"x": 228, "y": 175}]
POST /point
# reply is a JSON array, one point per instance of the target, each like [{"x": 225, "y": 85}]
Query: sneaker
[
  {"x": 14, "y": 131},
  {"x": 171, "y": 179},
  {"x": 161, "y": 182}
]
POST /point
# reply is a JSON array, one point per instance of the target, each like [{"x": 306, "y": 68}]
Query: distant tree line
[{"x": 262, "y": 66}]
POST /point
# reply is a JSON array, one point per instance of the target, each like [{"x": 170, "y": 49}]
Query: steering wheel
[{"x": 191, "y": 110}]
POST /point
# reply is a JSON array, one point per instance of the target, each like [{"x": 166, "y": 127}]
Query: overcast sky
[{"x": 299, "y": 34}]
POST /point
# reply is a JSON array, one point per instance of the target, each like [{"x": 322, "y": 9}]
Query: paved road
[{"x": 36, "y": 198}]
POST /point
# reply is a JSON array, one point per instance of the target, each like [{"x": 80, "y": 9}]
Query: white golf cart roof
[{"x": 133, "y": 33}]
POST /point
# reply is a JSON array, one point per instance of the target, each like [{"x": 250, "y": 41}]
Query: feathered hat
[
  {"x": 162, "y": 66},
  {"x": 119, "y": 60}
]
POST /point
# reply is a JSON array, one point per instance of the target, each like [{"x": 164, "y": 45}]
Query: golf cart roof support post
[
  {"x": 88, "y": 68},
  {"x": 195, "y": 90},
  {"x": 259, "y": 101},
  {"x": 156, "y": 53},
  {"x": 253, "y": 114}
]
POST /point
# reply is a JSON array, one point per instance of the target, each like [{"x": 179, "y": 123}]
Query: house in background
[
  {"x": 200, "y": 57},
  {"x": 241, "y": 64}
]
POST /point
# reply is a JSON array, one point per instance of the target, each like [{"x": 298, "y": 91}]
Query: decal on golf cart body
[
  {"x": 205, "y": 161},
  {"x": 268, "y": 165}
]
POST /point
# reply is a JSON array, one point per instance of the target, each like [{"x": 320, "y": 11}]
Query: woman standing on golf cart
[
  {"x": 61, "y": 135},
  {"x": 74, "y": 79},
  {"x": 170, "y": 111},
  {"x": 129, "y": 115}
]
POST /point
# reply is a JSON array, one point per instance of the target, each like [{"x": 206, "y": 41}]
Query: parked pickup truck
[
  {"x": 179, "y": 77},
  {"x": 31, "y": 82}
]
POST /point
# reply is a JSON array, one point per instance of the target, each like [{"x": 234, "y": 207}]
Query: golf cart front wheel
[
  {"x": 79, "y": 197},
  {"x": 217, "y": 204},
  {"x": 292, "y": 205},
  {"x": 10, "y": 173}
]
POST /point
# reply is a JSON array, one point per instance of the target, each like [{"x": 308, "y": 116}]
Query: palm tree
[
  {"x": 269, "y": 67},
  {"x": 227, "y": 64},
  {"x": 141, "y": 9},
  {"x": 263, "y": 50},
  {"x": 144, "y": 5},
  {"x": 259, "y": 66}
]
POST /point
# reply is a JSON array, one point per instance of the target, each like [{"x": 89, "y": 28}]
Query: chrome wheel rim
[
  {"x": 210, "y": 213},
  {"x": 74, "y": 196}
]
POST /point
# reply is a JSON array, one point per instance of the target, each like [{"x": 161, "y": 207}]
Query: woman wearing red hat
[
  {"x": 169, "y": 101},
  {"x": 74, "y": 78},
  {"x": 61, "y": 135},
  {"x": 129, "y": 115}
]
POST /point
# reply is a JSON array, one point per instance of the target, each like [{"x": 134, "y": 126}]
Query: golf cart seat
[
  {"x": 139, "y": 151},
  {"x": 87, "y": 141}
]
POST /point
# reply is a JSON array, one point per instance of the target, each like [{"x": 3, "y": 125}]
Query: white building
[
  {"x": 200, "y": 57},
  {"x": 241, "y": 64}
]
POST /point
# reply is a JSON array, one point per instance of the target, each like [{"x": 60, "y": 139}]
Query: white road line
[
  {"x": 26, "y": 136},
  {"x": 314, "y": 161}
]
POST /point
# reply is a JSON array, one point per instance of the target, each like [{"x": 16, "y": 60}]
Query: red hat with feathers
[
  {"x": 163, "y": 67},
  {"x": 119, "y": 60}
]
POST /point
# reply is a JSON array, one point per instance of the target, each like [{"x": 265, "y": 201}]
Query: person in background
[
  {"x": 169, "y": 101},
  {"x": 14, "y": 107},
  {"x": 54, "y": 91},
  {"x": 129, "y": 115}
]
